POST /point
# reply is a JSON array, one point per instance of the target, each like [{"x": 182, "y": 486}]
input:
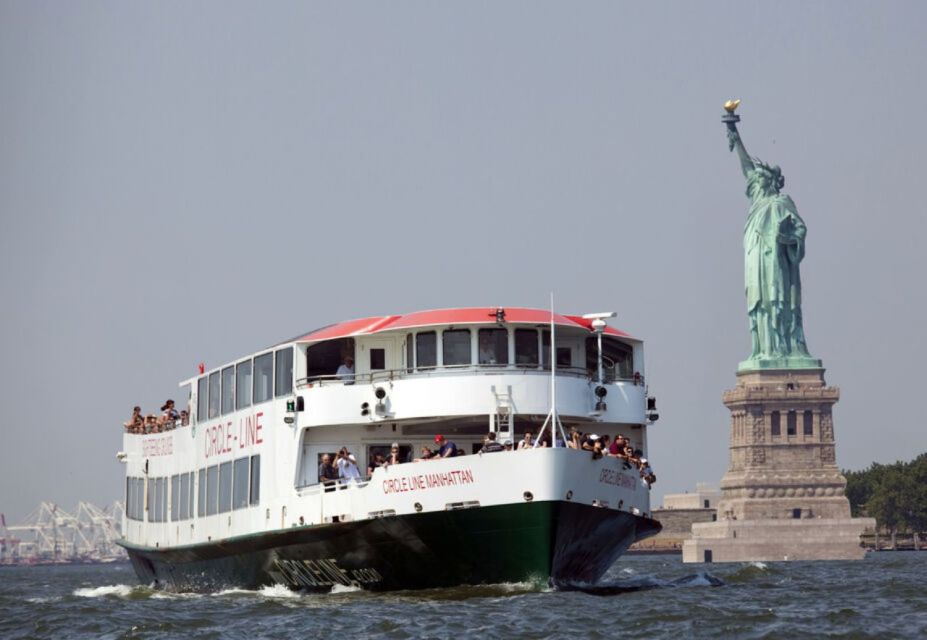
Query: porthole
[
  {"x": 569, "y": 495},
  {"x": 528, "y": 496},
  {"x": 418, "y": 507}
]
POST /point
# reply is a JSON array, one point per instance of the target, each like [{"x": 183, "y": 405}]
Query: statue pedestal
[{"x": 782, "y": 497}]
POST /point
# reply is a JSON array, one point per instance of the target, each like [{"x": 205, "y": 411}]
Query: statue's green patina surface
[{"x": 774, "y": 245}]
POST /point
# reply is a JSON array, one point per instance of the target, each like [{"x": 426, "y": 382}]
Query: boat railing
[
  {"x": 390, "y": 375},
  {"x": 338, "y": 499}
]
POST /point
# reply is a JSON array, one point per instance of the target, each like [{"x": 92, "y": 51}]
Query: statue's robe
[{"x": 774, "y": 245}]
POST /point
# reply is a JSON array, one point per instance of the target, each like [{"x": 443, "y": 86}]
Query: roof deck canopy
[{"x": 439, "y": 317}]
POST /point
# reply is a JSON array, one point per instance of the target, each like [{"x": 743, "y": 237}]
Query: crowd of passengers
[
  {"x": 168, "y": 419},
  {"x": 344, "y": 466}
]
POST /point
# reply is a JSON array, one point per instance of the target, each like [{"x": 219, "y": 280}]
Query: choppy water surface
[{"x": 884, "y": 596}]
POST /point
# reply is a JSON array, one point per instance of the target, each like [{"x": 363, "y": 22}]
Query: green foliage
[{"x": 895, "y": 495}]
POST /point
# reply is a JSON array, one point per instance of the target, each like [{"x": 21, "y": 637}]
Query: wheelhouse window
[
  {"x": 202, "y": 398},
  {"x": 324, "y": 358},
  {"x": 426, "y": 351},
  {"x": 377, "y": 359},
  {"x": 263, "y": 378},
  {"x": 617, "y": 358},
  {"x": 214, "y": 394},
  {"x": 410, "y": 353},
  {"x": 228, "y": 390},
  {"x": 526, "y": 348},
  {"x": 283, "y": 379},
  {"x": 494, "y": 346},
  {"x": 243, "y": 384},
  {"x": 456, "y": 344}
]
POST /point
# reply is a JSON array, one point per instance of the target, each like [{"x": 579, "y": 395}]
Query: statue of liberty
[{"x": 774, "y": 245}]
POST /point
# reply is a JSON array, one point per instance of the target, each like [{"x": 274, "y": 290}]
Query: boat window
[
  {"x": 494, "y": 346},
  {"x": 426, "y": 351},
  {"x": 456, "y": 347},
  {"x": 202, "y": 397},
  {"x": 617, "y": 358},
  {"x": 228, "y": 390},
  {"x": 212, "y": 490},
  {"x": 324, "y": 358},
  {"x": 526, "y": 347},
  {"x": 284, "y": 377},
  {"x": 263, "y": 377},
  {"x": 242, "y": 484},
  {"x": 175, "y": 498},
  {"x": 214, "y": 394},
  {"x": 201, "y": 494},
  {"x": 185, "y": 496},
  {"x": 256, "y": 479},
  {"x": 377, "y": 359},
  {"x": 564, "y": 357},
  {"x": 545, "y": 349},
  {"x": 410, "y": 353},
  {"x": 225, "y": 487},
  {"x": 243, "y": 384}
]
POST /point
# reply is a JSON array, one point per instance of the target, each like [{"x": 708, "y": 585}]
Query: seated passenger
[
  {"x": 134, "y": 424},
  {"x": 345, "y": 372},
  {"x": 328, "y": 474},
  {"x": 393, "y": 457},
  {"x": 527, "y": 442},
  {"x": 377, "y": 462},
  {"x": 447, "y": 449},
  {"x": 490, "y": 445}
]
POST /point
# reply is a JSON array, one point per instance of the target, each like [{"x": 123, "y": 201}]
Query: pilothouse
[{"x": 363, "y": 452}]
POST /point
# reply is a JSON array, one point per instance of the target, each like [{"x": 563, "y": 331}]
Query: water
[{"x": 883, "y": 596}]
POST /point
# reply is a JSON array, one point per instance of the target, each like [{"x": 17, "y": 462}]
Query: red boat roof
[{"x": 472, "y": 315}]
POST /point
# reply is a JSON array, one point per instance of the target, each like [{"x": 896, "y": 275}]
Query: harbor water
[{"x": 651, "y": 596}]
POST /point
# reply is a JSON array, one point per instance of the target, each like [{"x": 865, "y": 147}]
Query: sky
[{"x": 190, "y": 182}]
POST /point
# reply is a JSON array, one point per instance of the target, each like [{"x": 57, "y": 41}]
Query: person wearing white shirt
[
  {"x": 347, "y": 466},
  {"x": 345, "y": 372}
]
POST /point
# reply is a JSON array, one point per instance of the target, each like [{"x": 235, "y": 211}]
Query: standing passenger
[
  {"x": 345, "y": 372},
  {"x": 447, "y": 448}
]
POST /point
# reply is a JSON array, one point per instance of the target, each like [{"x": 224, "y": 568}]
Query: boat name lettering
[
  {"x": 322, "y": 573},
  {"x": 163, "y": 446},
  {"x": 221, "y": 438},
  {"x": 427, "y": 481},
  {"x": 612, "y": 476}
]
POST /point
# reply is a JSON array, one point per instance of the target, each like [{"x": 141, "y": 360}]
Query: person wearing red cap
[{"x": 448, "y": 449}]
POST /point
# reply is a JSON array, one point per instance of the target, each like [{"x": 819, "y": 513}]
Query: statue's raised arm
[{"x": 733, "y": 136}]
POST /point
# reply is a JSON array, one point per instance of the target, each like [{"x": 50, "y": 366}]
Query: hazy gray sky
[{"x": 185, "y": 182}]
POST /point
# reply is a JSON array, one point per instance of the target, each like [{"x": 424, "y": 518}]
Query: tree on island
[{"x": 894, "y": 494}]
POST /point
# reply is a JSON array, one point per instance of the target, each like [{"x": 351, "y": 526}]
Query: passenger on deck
[
  {"x": 151, "y": 424},
  {"x": 598, "y": 450},
  {"x": 647, "y": 474},
  {"x": 169, "y": 414},
  {"x": 589, "y": 442},
  {"x": 447, "y": 448},
  {"x": 377, "y": 462},
  {"x": 345, "y": 372},
  {"x": 184, "y": 418},
  {"x": 507, "y": 445},
  {"x": 347, "y": 465},
  {"x": 393, "y": 457},
  {"x": 427, "y": 454},
  {"x": 135, "y": 423},
  {"x": 328, "y": 474},
  {"x": 490, "y": 445},
  {"x": 527, "y": 442},
  {"x": 575, "y": 439}
]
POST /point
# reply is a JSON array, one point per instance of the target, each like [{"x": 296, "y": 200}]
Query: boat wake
[{"x": 642, "y": 583}]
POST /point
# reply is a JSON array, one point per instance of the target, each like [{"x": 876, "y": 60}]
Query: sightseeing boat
[{"x": 232, "y": 496}]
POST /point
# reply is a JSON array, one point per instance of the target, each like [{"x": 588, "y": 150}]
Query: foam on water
[
  {"x": 119, "y": 590},
  {"x": 341, "y": 588}
]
